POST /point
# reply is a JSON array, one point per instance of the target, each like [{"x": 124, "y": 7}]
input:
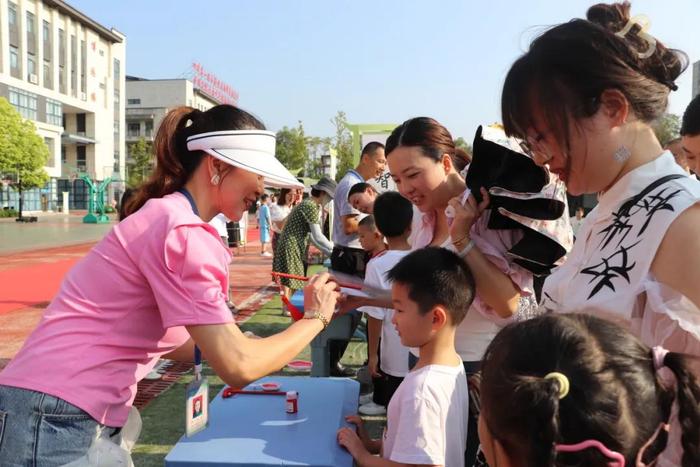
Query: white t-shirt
[
  {"x": 394, "y": 355},
  {"x": 219, "y": 223},
  {"x": 427, "y": 418},
  {"x": 278, "y": 214},
  {"x": 342, "y": 207}
]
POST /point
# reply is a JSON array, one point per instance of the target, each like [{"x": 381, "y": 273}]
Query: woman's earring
[
  {"x": 215, "y": 179},
  {"x": 622, "y": 154}
]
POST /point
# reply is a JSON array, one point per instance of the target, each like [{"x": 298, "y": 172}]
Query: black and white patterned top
[{"x": 608, "y": 271}]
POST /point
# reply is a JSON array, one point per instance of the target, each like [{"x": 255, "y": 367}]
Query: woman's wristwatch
[{"x": 318, "y": 315}]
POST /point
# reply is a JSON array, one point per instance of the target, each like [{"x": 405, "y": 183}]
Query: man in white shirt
[{"x": 348, "y": 256}]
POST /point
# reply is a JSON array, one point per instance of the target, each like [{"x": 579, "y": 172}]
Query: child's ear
[{"x": 439, "y": 317}]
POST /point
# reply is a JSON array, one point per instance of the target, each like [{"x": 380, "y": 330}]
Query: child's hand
[
  {"x": 360, "y": 428},
  {"x": 350, "y": 441},
  {"x": 347, "y": 303}
]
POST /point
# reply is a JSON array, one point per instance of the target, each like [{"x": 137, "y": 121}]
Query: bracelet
[
  {"x": 462, "y": 253},
  {"x": 455, "y": 242},
  {"x": 319, "y": 316}
]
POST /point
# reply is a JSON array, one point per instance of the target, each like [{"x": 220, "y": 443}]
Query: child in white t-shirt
[
  {"x": 432, "y": 290},
  {"x": 387, "y": 356}
]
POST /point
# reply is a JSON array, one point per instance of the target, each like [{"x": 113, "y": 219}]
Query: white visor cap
[{"x": 251, "y": 150}]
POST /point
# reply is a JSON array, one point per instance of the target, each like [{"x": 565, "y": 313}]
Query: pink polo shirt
[{"x": 123, "y": 306}]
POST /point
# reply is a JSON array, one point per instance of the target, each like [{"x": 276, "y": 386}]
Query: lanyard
[{"x": 197, "y": 352}]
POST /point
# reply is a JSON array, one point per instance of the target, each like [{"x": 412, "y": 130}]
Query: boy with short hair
[
  {"x": 387, "y": 357},
  {"x": 371, "y": 239},
  {"x": 427, "y": 419}
]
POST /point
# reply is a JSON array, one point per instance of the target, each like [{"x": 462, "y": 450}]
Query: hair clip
[
  {"x": 562, "y": 380},
  {"x": 644, "y": 23},
  {"x": 618, "y": 459}
]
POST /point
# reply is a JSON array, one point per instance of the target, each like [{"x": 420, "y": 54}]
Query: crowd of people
[{"x": 505, "y": 342}]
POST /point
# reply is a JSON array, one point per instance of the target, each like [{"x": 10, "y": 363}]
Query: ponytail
[
  {"x": 688, "y": 397},
  {"x": 175, "y": 164},
  {"x": 172, "y": 168},
  {"x": 545, "y": 422}
]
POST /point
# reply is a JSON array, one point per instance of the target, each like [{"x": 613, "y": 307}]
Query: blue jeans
[{"x": 37, "y": 429}]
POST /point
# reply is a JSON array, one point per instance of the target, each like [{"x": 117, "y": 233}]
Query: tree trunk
[{"x": 19, "y": 187}]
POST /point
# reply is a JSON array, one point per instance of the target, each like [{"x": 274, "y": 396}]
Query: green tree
[
  {"x": 462, "y": 144},
  {"x": 23, "y": 153},
  {"x": 317, "y": 147},
  {"x": 141, "y": 164},
  {"x": 291, "y": 148},
  {"x": 342, "y": 142},
  {"x": 667, "y": 128}
]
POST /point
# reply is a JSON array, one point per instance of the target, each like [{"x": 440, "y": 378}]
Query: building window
[
  {"x": 49, "y": 144},
  {"x": 133, "y": 101},
  {"x": 83, "y": 68},
  {"x": 31, "y": 68},
  {"x": 64, "y": 155},
  {"x": 133, "y": 130},
  {"x": 61, "y": 61},
  {"x": 30, "y": 23},
  {"x": 12, "y": 14},
  {"x": 25, "y": 102},
  {"x": 149, "y": 128},
  {"x": 74, "y": 66},
  {"x": 14, "y": 57},
  {"x": 81, "y": 160},
  {"x": 47, "y": 74},
  {"x": 47, "y": 31},
  {"x": 117, "y": 73},
  {"x": 54, "y": 112},
  {"x": 117, "y": 165},
  {"x": 80, "y": 123}
]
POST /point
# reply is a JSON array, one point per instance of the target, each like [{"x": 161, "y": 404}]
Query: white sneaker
[
  {"x": 366, "y": 398},
  {"x": 266, "y": 254},
  {"x": 372, "y": 409}
]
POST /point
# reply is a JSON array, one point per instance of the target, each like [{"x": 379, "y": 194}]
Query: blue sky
[{"x": 378, "y": 61}]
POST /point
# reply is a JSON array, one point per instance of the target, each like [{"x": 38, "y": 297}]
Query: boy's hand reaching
[
  {"x": 350, "y": 441},
  {"x": 360, "y": 428}
]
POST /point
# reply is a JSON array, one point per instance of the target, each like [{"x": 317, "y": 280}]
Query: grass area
[{"x": 164, "y": 418}]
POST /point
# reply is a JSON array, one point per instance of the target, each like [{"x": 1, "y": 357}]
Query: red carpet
[
  {"x": 37, "y": 275},
  {"x": 25, "y": 286}
]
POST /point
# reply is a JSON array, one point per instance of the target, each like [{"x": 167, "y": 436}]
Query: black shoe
[{"x": 341, "y": 371}]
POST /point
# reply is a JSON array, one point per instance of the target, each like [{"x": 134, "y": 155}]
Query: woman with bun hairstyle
[
  {"x": 155, "y": 286},
  {"x": 584, "y": 98}
]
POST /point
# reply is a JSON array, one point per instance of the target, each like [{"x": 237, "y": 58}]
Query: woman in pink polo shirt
[{"x": 153, "y": 287}]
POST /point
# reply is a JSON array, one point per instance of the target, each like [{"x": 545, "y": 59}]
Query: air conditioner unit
[
  {"x": 83, "y": 96},
  {"x": 34, "y": 79}
]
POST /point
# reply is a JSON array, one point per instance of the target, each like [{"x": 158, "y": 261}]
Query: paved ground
[
  {"x": 29, "y": 279},
  {"x": 52, "y": 230}
]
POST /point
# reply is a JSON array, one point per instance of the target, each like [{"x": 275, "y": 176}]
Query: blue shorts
[
  {"x": 39, "y": 429},
  {"x": 264, "y": 235}
]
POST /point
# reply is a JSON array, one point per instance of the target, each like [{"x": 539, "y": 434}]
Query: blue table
[
  {"x": 255, "y": 430},
  {"x": 340, "y": 328}
]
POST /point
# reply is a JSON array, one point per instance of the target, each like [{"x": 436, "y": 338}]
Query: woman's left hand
[{"x": 466, "y": 215}]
